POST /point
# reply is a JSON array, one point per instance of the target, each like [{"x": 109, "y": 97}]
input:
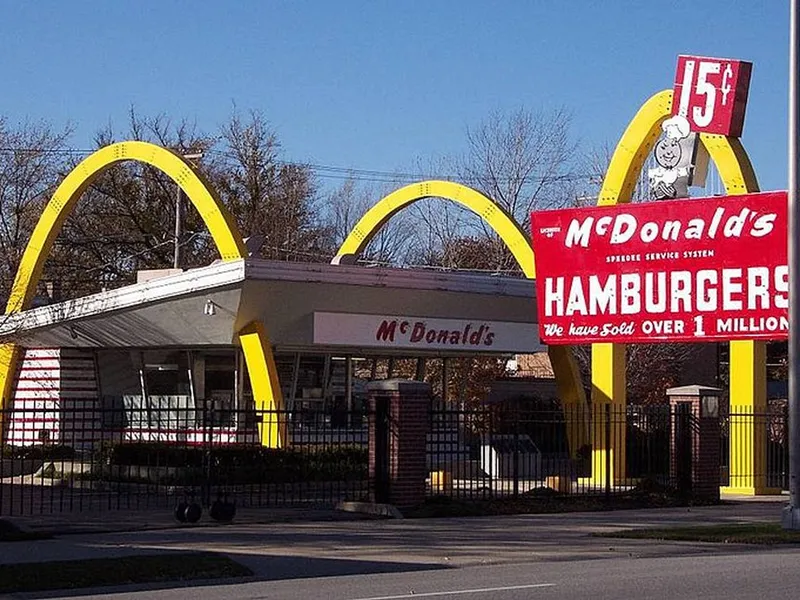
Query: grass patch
[
  {"x": 11, "y": 533},
  {"x": 73, "y": 574},
  {"x": 751, "y": 533}
]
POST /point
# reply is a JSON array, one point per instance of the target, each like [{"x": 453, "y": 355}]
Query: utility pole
[
  {"x": 791, "y": 514},
  {"x": 176, "y": 254}
]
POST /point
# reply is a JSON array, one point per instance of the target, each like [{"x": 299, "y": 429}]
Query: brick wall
[
  {"x": 408, "y": 406},
  {"x": 705, "y": 441}
]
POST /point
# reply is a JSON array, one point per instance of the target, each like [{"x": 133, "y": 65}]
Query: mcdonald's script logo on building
[
  {"x": 420, "y": 333},
  {"x": 684, "y": 270}
]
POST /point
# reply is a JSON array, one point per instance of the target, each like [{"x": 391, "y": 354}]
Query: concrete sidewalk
[
  {"x": 278, "y": 550},
  {"x": 110, "y": 521},
  {"x": 70, "y": 522}
]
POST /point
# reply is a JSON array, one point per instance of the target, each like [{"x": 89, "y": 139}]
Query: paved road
[
  {"x": 764, "y": 575},
  {"x": 431, "y": 542},
  {"x": 521, "y": 556}
]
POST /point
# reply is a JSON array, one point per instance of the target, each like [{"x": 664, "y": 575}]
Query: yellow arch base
[
  {"x": 260, "y": 362},
  {"x": 564, "y": 366},
  {"x": 219, "y": 221},
  {"x": 747, "y": 359}
]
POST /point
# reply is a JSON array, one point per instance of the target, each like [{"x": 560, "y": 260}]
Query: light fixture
[
  {"x": 210, "y": 308},
  {"x": 160, "y": 367}
]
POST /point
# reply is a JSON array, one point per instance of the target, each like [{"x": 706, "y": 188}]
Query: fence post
[
  {"x": 695, "y": 442},
  {"x": 4, "y": 418},
  {"x": 208, "y": 419},
  {"x": 608, "y": 451},
  {"x": 379, "y": 442},
  {"x": 683, "y": 448},
  {"x": 516, "y": 452}
]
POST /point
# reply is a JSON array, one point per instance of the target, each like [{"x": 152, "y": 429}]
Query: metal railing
[
  {"x": 102, "y": 456},
  {"x": 490, "y": 452},
  {"x": 90, "y": 458},
  {"x": 499, "y": 451},
  {"x": 768, "y": 463}
]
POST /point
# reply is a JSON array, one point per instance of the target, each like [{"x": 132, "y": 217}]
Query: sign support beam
[{"x": 791, "y": 514}]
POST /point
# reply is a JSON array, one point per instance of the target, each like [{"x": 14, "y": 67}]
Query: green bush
[
  {"x": 38, "y": 452},
  {"x": 231, "y": 465},
  {"x": 155, "y": 454}
]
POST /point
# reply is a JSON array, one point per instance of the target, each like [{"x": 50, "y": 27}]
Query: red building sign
[
  {"x": 684, "y": 270},
  {"x": 711, "y": 93}
]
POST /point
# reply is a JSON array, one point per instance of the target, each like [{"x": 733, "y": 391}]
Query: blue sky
[{"x": 376, "y": 84}]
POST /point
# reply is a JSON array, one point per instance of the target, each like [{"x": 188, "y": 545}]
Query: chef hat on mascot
[{"x": 676, "y": 127}]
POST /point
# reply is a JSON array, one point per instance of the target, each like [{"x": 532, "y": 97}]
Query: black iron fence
[
  {"x": 498, "y": 451},
  {"x": 90, "y": 459},
  {"x": 768, "y": 463},
  {"x": 108, "y": 457}
]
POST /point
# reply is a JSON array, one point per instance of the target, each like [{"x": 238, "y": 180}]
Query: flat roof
[
  {"x": 168, "y": 311},
  {"x": 391, "y": 277}
]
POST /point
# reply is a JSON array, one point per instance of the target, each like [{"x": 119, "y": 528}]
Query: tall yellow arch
[
  {"x": 221, "y": 226},
  {"x": 503, "y": 224},
  {"x": 565, "y": 369},
  {"x": 747, "y": 359}
]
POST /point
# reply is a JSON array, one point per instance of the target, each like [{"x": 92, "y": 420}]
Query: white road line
[{"x": 457, "y": 592}]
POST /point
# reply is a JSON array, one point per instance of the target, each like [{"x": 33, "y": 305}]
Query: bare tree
[
  {"x": 345, "y": 207},
  {"x": 269, "y": 197},
  {"x": 595, "y": 165},
  {"x": 32, "y": 157},
  {"x": 438, "y": 225},
  {"x": 125, "y": 220},
  {"x": 521, "y": 160}
]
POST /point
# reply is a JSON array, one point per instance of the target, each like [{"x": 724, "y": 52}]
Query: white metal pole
[
  {"x": 176, "y": 254},
  {"x": 791, "y": 514}
]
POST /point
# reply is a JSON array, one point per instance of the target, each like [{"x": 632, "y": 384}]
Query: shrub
[
  {"x": 38, "y": 452},
  {"x": 231, "y": 465},
  {"x": 160, "y": 454}
]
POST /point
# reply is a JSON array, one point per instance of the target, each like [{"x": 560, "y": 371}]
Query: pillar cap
[{"x": 694, "y": 390}]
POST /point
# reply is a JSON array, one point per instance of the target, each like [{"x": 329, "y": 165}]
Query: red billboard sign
[
  {"x": 711, "y": 93},
  {"x": 686, "y": 270}
]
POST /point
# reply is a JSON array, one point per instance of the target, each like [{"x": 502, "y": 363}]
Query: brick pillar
[
  {"x": 399, "y": 422},
  {"x": 701, "y": 404}
]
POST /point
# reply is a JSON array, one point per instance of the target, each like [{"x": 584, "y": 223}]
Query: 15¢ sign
[{"x": 711, "y": 93}]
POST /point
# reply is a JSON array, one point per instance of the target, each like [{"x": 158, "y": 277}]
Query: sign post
[{"x": 791, "y": 514}]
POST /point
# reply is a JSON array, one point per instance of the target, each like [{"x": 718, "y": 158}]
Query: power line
[
  {"x": 338, "y": 172},
  {"x": 23, "y": 149}
]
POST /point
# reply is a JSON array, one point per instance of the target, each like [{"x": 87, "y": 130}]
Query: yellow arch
[
  {"x": 375, "y": 218},
  {"x": 564, "y": 367},
  {"x": 637, "y": 143},
  {"x": 747, "y": 359},
  {"x": 218, "y": 220}
]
